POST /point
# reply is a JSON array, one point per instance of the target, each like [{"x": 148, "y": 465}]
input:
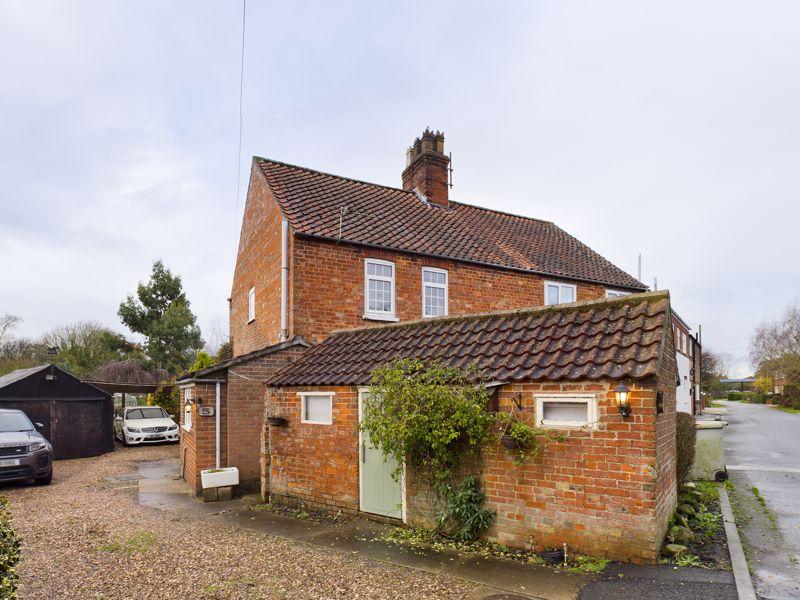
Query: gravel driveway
[{"x": 84, "y": 538}]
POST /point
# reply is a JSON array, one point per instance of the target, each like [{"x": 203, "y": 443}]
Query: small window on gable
[
  {"x": 559, "y": 293},
  {"x": 434, "y": 292},
  {"x": 251, "y": 305},
  {"x": 316, "y": 408},
  {"x": 379, "y": 297},
  {"x": 616, "y": 294},
  {"x": 565, "y": 411}
]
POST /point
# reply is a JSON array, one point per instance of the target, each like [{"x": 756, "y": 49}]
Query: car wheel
[{"x": 45, "y": 480}]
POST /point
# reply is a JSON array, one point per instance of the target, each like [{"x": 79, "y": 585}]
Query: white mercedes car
[{"x": 145, "y": 425}]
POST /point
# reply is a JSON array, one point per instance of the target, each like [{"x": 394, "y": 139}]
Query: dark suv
[{"x": 24, "y": 452}]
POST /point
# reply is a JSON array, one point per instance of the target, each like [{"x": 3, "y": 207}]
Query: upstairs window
[
  {"x": 434, "y": 292},
  {"x": 559, "y": 293},
  {"x": 251, "y": 305},
  {"x": 379, "y": 290}
]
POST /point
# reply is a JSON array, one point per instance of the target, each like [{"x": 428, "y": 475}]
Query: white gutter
[
  {"x": 284, "y": 279},
  {"x": 216, "y": 415}
]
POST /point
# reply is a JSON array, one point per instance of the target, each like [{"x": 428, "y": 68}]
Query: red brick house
[
  {"x": 608, "y": 489},
  {"x": 320, "y": 253}
]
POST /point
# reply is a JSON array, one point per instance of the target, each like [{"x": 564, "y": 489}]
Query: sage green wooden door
[{"x": 380, "y": 493}]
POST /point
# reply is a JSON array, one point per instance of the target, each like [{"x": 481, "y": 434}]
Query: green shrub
[
  {"x": 9, "y": 553},
  {"x": 167, "y": 397},
  {"x": 433, "y": 418},
  {"x": 464, "y": 517},
  {"x": 734, "y": 396},
  {"x": 685, "y": 437},
  {"x": 756, "y": 398}
]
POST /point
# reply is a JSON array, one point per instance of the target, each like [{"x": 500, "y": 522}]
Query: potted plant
[
  {"x": 520, "y": 437},
  {"x": 277, "y": 421}
]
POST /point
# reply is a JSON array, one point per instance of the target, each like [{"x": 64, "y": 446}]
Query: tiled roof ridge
[
  {"x": 652, "y": 296},
  {"x": 328, "y": 174},
  {"x": 397, "y": 189}
]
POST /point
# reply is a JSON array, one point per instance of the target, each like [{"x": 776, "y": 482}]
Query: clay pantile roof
[
  {"x": 386, "y": 217},
  {"x": 611, "y": 339}
]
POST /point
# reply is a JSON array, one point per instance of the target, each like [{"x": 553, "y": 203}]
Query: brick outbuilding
[
  {"x": 606, "y": 487},
  {"x": 230, "y": 435}
]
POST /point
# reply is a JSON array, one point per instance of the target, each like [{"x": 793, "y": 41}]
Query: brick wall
[
  {"x": 258, "y": 264},
  {"x": 198, "y": 445},
  {"x": 314, "y": 464},
  {"x": 666, "y": 486},
  {"x": 594, "y": 491},
  {"x": 246, "y": 395},
  {"x": 328, "y": 281},
  {"x": 608, "y": 491}
]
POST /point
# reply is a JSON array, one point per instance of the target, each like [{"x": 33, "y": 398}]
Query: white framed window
[
  {"x": 616, "y": 294},
  {"x": 251, "y": 305},
  {"x": 559, "y": 293},
  {"x": 188, "y": 408},
  {"x": 434, "y": 292},
  {"x": 316, "y": 407},
  {"x": 379, "y": 296},
  {"x": 566, "y": 410}
]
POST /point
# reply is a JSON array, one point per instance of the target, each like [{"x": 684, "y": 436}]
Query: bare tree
[
  {"x": 774, "y": 340},
  {"x": 7, "y": 323}
]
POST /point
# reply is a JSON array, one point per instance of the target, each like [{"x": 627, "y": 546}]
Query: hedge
[
  {"x": 9, "y": 553},
  {"x": 685, "y": 438}
]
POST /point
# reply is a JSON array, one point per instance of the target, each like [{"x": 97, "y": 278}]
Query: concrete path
[
  {"x": 494, "y": 578},
  {"x": 763, "y": 452}
]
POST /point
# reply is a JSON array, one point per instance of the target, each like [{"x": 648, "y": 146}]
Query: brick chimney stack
[{"x": 426, "y": 168}]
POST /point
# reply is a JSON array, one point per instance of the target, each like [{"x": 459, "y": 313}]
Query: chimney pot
[{"x": 426, "y": 169}]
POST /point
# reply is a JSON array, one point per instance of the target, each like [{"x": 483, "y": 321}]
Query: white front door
[{"x": 380, "y": 493}]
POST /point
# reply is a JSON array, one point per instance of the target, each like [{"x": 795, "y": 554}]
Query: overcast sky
[{"x": 669, "y": 130}]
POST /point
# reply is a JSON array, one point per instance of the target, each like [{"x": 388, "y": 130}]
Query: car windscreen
[
  {"x": 14, "y": 421},
  {"x": 150, "y": 412}
]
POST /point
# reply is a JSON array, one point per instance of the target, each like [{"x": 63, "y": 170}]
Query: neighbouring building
[
  {"x": 607, "y": 488},
  {"x": 687, "y": 353}
]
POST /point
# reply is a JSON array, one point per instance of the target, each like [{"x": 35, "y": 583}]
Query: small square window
[
  {"x": 316, "y": 408},
  {"x": 564, "y": 411}
]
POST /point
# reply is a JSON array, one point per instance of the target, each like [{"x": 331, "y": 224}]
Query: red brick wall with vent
[{"x": 607, "y": 491}]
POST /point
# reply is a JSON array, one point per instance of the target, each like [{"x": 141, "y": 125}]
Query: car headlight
[
  {"x": 38, "y": 446},
  {"x": 173, "y": 427},
  {"x": 134, "y": 430}
]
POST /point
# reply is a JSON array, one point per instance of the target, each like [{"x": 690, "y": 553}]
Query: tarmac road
[{"x": 762, "y": 447}]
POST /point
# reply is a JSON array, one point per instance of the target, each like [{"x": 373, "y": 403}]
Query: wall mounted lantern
[{"x": 623, "y": 395}]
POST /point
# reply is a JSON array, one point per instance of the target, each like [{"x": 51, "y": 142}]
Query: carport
[{"x": 77, "y": 417}]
